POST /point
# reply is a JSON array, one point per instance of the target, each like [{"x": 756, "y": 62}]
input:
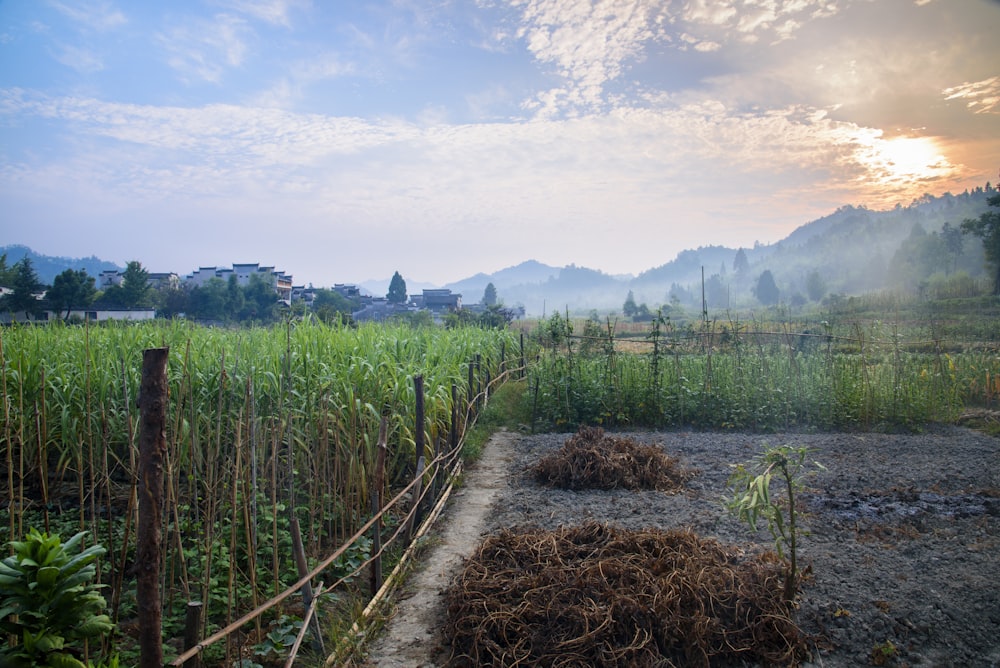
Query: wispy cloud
[
  {"x": 982, "y": 97},
  {"x": 99, "y": 16},
  {"x": 275, "y": 12},
  {"x": 205, "y": 49}
]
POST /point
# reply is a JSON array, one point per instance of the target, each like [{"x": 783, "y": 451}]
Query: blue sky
[{"x": 342, "y": 141}]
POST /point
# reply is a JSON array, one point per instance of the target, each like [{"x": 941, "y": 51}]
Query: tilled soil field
[{"x": 902, "y": 536}]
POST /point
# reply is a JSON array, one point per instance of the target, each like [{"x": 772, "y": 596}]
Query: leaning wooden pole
[{"x": 152, "y": 452}]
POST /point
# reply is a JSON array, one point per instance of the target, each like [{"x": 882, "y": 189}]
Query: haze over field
[{"x": 345, "y": 141}]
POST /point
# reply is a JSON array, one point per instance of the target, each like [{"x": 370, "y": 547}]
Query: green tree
[
  {"x": 953, "y": 243},
  {"x": 208, "y": 301},
  {"x": 397, "y": 290},
  {"x": 815, "y": 286},
  {"x": 629, "y": 308},
  {"x": 331, "y": 306},
  {"x": 26, "y": 286},
  {"x": 6, "y": 275},
  {"x": 490, "y": 295},
  {"x": 987, "y": 228},
  {"x": 72, "y": 289},
  {"x": 171, "y": 301},
  {"x": 261, "y": 300},
  {"x": 767, "y": 290},
  {"x": 235, "y": 297},
  {"x": 741, "y": 265},
  {"x": 716, "y": 292},
  {"x": 136, "y": 292}
]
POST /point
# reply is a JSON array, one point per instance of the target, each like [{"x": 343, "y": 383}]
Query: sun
[{"x": 913, "y": 157}]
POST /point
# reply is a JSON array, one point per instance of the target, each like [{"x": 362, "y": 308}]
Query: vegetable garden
[{"x": 267, "y": 428}]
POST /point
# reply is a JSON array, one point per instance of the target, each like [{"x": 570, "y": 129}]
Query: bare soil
[{"x": 903, "y": 539}]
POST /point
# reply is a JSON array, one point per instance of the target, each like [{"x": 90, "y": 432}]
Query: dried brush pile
[
  {"x": 591, "y": 459},
  {"x": 596, "y": 595}
]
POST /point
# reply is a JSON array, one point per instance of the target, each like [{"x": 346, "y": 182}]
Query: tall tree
[
  {"x": 815, "y": 286},
  {"x": 629, "y": 308},
  {"x": 73, "y": 288},
  {"x": 987, "y": 228},
  {"x": 953, "y": 242},
  {"x": 26, "y": 286},
  {"x": 136, "y": 292},
  {"x": 741, "y": 264},
  {"x": 397, "y": 290},
  {"x": 490, "y": 295},
  {"x": 767, "y": 290},
  {"x": 6, "y": 275}
]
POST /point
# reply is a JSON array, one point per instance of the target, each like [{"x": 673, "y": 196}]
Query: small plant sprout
[{"x": 752, "y": 500}]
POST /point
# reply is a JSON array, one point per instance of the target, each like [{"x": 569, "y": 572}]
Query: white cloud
[
  {"x": 589, "y": 43},
  {"x": 81, "y": 59},
  {"x": 205, "y": 49},
  {"x": 982, "y": 97},
  {"x": 275, "y": 12},
  {"x": 99, "y": 16}
]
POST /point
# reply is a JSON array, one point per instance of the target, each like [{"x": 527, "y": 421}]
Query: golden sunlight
[
  {"x": 904, "y": 159},
  {"x": 912, "y": 156}
]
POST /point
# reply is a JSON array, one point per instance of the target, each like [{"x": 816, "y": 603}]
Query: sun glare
[
  {"x": 902, "y": 159},
  {"x": 912, "y": 156}
]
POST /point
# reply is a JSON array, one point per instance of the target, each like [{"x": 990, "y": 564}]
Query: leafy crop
[{"x": 48, "y": 602}]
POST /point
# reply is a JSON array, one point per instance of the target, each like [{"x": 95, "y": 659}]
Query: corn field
[{"x": 264, "y": 424}]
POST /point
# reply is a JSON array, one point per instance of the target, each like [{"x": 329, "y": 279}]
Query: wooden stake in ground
[{"x": 152, "y": 451}]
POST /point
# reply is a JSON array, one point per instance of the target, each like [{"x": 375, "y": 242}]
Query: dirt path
[{"x": 409, "y": 639}]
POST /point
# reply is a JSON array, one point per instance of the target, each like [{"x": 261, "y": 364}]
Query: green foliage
[
  {"x": 767, "y": 290},
  {"x": 48, "y": 603},
  {"x": 765, "y": 376},
  {"x": 252, "y": 414},
  {"x": 987, "y": 228},
  {"x": 752, "y": 500},
  {"x": 71, "y": 289},
  {"x": 279, "y": 639},
  {"x": 490, "y": 295},
  {"x": 25, "y": 285},
  {"x": 136, "y": 292},
  {"x": 397, "y": 290}
]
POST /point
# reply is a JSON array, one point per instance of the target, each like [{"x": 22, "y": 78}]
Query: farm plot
[{"x": 901, "y": 544}]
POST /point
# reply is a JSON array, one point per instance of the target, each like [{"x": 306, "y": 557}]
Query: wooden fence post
[
  {"x": 192, "y": 631},
  {"x": 152, "y": 403},
  {"x": 453, "y": 434},
  {"x": 522, "y": 355},
  {"x": 418, "y": 431},
  {"x": 376, "y": 504}
]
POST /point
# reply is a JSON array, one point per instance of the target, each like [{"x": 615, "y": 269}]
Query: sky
[{"x": 342, "y": 141}]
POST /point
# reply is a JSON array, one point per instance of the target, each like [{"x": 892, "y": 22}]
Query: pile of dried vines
[
  {"x": 590, "y": 459},
  {"x": 597, "y": 595}
]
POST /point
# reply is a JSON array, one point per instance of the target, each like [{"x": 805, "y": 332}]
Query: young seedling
[{"x": 752, "y": 500}]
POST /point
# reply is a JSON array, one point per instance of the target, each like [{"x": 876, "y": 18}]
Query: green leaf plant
[
  {"x": 48, "y": 602},
  {"x": 752, "y": 500}
]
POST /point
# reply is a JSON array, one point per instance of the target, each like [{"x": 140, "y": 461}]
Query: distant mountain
[
  {"x": 48, "y": 267},
  {"x": 851, "y": 250}
]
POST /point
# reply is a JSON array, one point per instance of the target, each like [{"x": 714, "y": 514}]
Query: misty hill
[
  {"x": 48, "y": 267},
  {"x": 853, "y": 250}
]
